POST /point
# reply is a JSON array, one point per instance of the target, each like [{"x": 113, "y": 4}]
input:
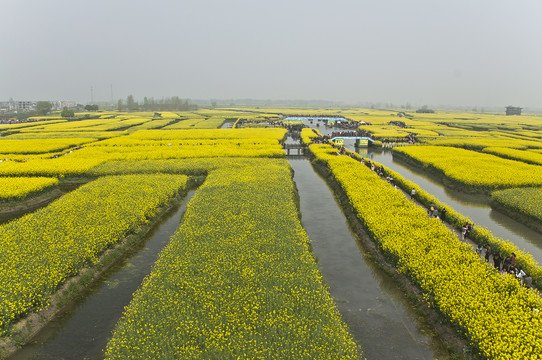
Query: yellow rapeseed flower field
[
  {"x": 32, "y": 146},
  {"x": 527, "y": 201},
  {"x": 20, "y": 187},
  {"x": 59, "y": 167},
  {"x": 42, "y": 249},
  {"x": 475, "y": 169},
  {"x": 515, "y": 154},
  {"x": 236, "y": 281}
]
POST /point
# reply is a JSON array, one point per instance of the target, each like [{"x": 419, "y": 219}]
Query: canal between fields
[
  {"x": 475, "y": 206},
  {"x": 379, "y": 316},
  {"x": 84, "y": 328}
]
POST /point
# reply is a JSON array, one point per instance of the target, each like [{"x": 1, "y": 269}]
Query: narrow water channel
[
  {"x": 379, "y": 317},
  {"x": 83, "y": 330},
  {"x": 476, "y": 207}
]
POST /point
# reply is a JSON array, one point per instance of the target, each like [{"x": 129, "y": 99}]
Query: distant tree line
[
  {"x": 173, "y": 103},
  {"x": 92, "y": 107},
  {"x": 425, "y": 110}
]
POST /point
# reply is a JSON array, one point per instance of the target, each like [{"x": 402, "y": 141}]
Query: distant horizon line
[{"x": 232, "y": 102}]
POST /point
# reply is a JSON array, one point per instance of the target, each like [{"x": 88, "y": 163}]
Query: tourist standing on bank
[
  {"x": 488, "y": 253},
  {"x": 443, "y": 214},
  {"x": 464, "y": 231},
  {"x": 479, "y": 250},
  {"x": 497, "y": 259},
  {"x": 520, "y": 274}
]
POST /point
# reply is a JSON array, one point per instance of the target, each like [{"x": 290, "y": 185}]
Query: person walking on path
[
  {"x": 506, "y": 264},
  {"x": 469, "y": 229},
  {"x": 435, "y": 213},
  {"x": 479, "y": 250},
  {"x": 488, "y": 253},
  {"x": 443, "y": 214},
  {"x": 520, "y": 274},
  {"x": 412, "y": 193},
  {"x": 431, "y": 209},
  {"x": 497, "y": 259},
  {"x": 513, "y": 260}
]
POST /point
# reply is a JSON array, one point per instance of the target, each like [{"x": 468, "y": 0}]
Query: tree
[
  {"x": 119, "y": 105},
  {"x": 91, "y": 107},
  {"x": 67, "y": 113},
  {"x": 43, "y": 107},
  {"x": 425, "y": 110},
  {"x": 131, "y": 104},
  {"x": 146, "y": 104}
]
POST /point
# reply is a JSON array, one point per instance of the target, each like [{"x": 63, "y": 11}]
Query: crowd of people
[
  {"x": 410, "y": 139},
  {"x": 351, "y": 133},
  {"x": 506, "y": 265},
  {"x": 345, "y": 125}
]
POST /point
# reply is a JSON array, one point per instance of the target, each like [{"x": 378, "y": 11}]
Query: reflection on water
[
  {"x": 474, "y": 206},
  {"x": 375, "y": 310}
]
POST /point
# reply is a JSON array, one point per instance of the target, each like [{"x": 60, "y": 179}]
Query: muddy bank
[{"x": 14, "y": 209}]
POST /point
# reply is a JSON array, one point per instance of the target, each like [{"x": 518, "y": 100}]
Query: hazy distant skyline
[{"x": 469, "y": 53}]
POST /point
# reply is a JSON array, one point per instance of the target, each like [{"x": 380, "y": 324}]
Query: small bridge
[{"x": 294, "y": 149}]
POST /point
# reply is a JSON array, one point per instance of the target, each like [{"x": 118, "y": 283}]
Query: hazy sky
[{"x": 461, "y": 52}]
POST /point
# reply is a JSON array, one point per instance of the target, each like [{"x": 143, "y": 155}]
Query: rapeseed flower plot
[
  {"x": 480, "y": 170},
  {"x": 28, "y": 125},
  {"x": 496, "y": 314},
  {"x": 20, "y": 187},
  {"x": 190, "y": 166},
  {"x": 59, "y": 167},
  {"x": 527, "y": 201},
  {"x": 69, "y": 126},
  {"x": 178, "y": 151},
  {"x": 307, "y": 135},
  {"x": 155, "y": 124},
  {"x": 515, "y": 154},
  {"x": 39, "y": 251},
  {"x": 32, "y": 146},
  {"x": 275, "y": 133},
  {"x": 40, "y": 134},
  {"x": 478, "y": 142},
  {"x": 90, "y": 125},
  {"x": 213, "y": 122},
  {"x": 131, "y": 141},
  {"x": 236, "y": 281}
]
